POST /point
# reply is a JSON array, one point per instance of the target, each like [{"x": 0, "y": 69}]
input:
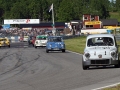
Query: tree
[{"x": 64, "y": 10}]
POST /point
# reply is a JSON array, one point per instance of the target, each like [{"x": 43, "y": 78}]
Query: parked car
[
  {"x": 101, "y": 50},
  {"x": 4, "y": 42},
  {"x": 33, "y": 41},
  {"x": 55, "y": 43},
  {"x": 40, "y": 41}
]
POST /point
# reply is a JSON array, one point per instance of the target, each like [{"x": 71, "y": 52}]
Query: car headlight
[
  {"x": 113, "y": 53},
  {"x": 36, "y": 42},
  {"x": 62, "y": 45},
  {"x": 87, "y": 55},
  {"x": 50, "y": 45}
]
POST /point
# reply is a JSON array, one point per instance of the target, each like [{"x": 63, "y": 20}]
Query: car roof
[
  {"x": 41, "y": 36},
  {"x": 54, "y": 36},
  {"x": 100, "y": 35}
]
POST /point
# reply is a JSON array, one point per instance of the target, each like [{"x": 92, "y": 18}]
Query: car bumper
[
  {"x": 4, "y": 45},
  {"x": 55, "y": 49},
  {"x": 40, "y": 45},
  {"x": 102, "y": 62}
]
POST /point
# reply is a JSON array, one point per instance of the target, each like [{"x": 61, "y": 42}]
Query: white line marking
[
  {"x": 74, "y": 52},
  {"x": 107, "y": 86}
]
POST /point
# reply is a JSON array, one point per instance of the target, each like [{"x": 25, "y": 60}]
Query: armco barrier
[
  {"x": 14, "y": 38},
  {"x": 71, "y": 36},
  {"x": 117, "y": 37}
]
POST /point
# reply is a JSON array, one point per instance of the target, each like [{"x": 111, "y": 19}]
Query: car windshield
[
  {"x": 100, "y": 41},
  {"x": 55, "y": 39},
  {"x": 41, "y": 38}
]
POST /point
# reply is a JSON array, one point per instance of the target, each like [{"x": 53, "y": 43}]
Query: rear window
[
  {"x": 55, "y": 39},
  {"x": 41, "y": 38}
]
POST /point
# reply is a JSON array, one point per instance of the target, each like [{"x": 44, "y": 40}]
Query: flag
[{"x": 51, "y": 8}]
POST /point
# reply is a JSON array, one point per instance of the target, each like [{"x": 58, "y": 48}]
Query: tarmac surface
[{"x": 22, "y": 67}]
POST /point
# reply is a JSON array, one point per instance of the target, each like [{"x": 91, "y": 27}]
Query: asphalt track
[{"x": 23, "y": 67}]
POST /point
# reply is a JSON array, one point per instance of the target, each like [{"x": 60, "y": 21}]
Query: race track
[{"x": 23, "y": 67}]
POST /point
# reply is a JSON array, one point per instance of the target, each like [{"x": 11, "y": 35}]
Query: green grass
[
  {"x": 76, "y": 44},
  {"x": 115, "y": 15}
]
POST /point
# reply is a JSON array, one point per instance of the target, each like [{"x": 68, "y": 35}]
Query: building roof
[
  {"x": 76, "y": 22},
  {"x": 109, "y": 22}
]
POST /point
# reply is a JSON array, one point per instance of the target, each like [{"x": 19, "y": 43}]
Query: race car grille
[{"x": 105, "y": 61}]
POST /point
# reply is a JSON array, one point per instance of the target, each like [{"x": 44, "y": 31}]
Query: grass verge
[
  {"x": 76, "y": 44},
  {"x": 117, "y": 87}
]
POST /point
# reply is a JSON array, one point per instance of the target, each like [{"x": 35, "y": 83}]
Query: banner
[
  {"x": 92, "y": 22},
  {"x": 6, "y": 26},
  {"x": 21, "y": 21}
]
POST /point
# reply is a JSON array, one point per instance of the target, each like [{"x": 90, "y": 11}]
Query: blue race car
[{"x": 55, "y": 43}]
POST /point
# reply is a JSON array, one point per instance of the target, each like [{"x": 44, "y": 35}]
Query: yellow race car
[{"x": 4, "y": 42}]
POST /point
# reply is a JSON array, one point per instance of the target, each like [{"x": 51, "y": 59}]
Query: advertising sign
[
  {"x": 6, "y": 26},
  {"x": 92, "y": 22},
  {"x": 21, "y": 21}
]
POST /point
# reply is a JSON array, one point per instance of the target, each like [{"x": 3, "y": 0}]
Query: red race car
[
  {"x": 33, "y": 40},
  {"x": 21, "y": 39}
]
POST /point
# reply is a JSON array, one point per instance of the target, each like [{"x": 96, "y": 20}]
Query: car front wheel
[
  {"x": 63, "y": 50},
  {"x": 47, "y": 51},
  {"x": 9, "y": 46},
  {"x": 84, "y": 66},
  {"x": 33, "y": 45},
  {"x": 118, "y": 65}
]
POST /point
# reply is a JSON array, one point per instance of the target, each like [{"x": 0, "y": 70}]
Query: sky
[{"x": 111, "y": 0}]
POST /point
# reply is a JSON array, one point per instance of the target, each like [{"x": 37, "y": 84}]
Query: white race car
[
  {"x": 40, "y": 41},
  {"x": 25, "y": 38},
  {"x": 100, "y": 50}
]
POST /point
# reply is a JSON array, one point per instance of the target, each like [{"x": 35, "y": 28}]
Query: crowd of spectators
[{"x": 25, "y": 32}]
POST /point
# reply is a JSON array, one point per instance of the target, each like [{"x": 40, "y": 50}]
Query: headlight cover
[
  {"x": 87, "y": 55},
  {"x": 36, "y": 42},
  {"x": 62, "y": 45},
  {"x": 50, "y": 45},
  {"x": 113, "y": 53}
]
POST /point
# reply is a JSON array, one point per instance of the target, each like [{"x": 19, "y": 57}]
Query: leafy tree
[
  {"x": 117, "y": 4},
  {"x": 64, "y": 10}
]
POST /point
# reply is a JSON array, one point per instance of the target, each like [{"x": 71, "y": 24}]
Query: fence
[
  {"x": 16, "y": 38},
  {"x": 13, "y": 38},
  {"x": 117, "y": 37}
]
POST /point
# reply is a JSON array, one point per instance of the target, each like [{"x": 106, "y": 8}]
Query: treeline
[{"x": 64, "y": 10}]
